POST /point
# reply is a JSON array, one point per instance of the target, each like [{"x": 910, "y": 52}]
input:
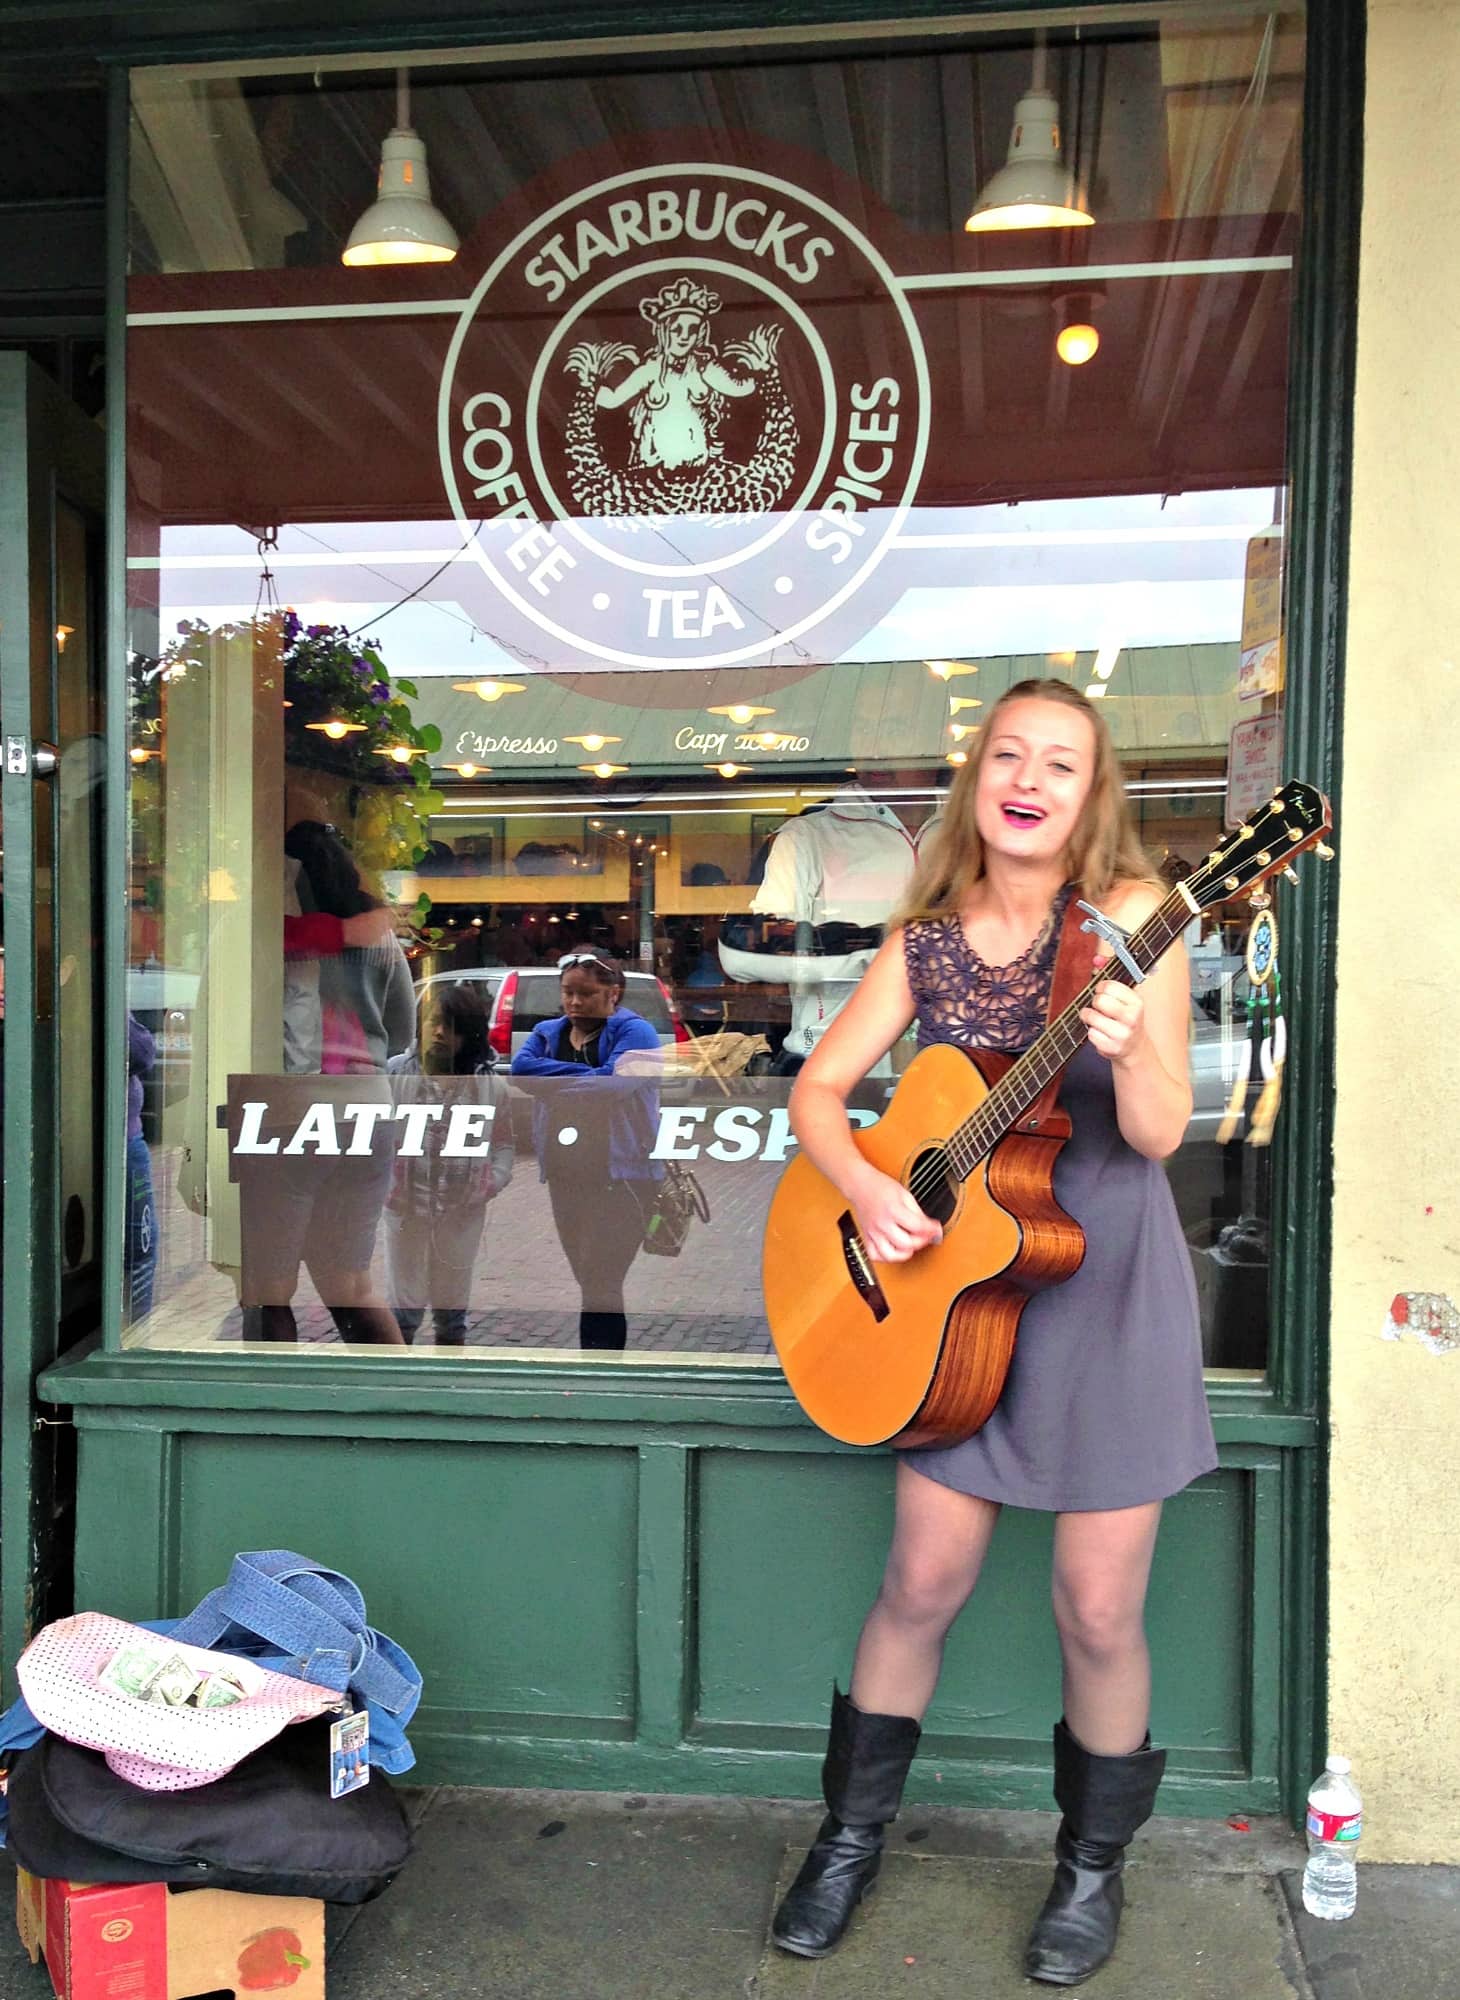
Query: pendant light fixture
[
  {"x": 402, "y": 225},
  {"x": 488, "y": 690},
  {"x": 1033, "y": 189}
]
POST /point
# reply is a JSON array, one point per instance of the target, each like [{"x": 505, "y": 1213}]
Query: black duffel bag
[{"x": 269, "y": 1826}]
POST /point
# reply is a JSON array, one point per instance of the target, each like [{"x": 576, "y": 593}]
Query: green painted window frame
[{"x": 1282, "y": 1412}]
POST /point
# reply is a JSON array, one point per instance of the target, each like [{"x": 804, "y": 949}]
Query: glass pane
[
  {"x": 627, "y": 589},
  {"x": 77, "y": 902}
]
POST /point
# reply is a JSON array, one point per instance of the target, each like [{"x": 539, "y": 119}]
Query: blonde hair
[{"x": 1103, "y": 850}]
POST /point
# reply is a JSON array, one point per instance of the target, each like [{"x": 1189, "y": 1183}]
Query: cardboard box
[{"x": 123, "y": 1941}]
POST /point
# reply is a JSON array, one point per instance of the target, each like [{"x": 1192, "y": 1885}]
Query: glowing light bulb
[
  {"x": 739, "y": 712},
  {"x": 1076, "y": 344},
  {"x": 944, "y": 670},
  {"x": 335, "y": 729},
  {"x": 593, "y": 742},
  {"x": 957, "y": 756},
  {"x": 728, "y": 770},
  {"x": 488, "y": 690}
]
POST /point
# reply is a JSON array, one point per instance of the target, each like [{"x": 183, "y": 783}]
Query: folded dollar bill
[
  {"x": 219, "y": 1690},
  {"x": 175, "y": 1683},
  {"x": 132, "y": 1670}
]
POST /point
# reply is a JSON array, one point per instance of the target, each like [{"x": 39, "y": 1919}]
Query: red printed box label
[{"x": 1334, "y": 1826}]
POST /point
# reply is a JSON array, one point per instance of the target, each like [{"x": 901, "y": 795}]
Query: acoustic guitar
[{"x": 917, "y": 1353}]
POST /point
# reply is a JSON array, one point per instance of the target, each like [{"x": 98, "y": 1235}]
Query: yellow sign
[{"x": 1260, "y": 671}]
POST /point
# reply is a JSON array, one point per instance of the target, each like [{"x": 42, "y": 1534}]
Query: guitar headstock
[{"x": 1294, "y": 820}]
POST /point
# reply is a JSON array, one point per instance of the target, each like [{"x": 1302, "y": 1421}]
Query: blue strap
[{"x": 315, "y": 1618}]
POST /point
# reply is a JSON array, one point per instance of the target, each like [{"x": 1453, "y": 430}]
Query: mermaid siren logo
[
  {"x": 683, "y": 417},
  {"x": 676, "y": 394}
]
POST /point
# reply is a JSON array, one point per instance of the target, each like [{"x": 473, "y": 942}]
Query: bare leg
[
  {"x": 938, "y": 1546},
  {"x": 1105, "y": 1774},
  {"x": 1102, "y": 1564}
]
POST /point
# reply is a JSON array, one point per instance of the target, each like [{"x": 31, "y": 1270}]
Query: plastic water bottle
[{"x": 1335, "y": 1822}]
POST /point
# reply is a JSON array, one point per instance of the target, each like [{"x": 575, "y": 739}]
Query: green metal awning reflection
[{"x": 1161, "y": 702}]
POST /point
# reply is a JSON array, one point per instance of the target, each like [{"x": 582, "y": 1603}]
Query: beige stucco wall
[{"x": 1395, "y": 1506}]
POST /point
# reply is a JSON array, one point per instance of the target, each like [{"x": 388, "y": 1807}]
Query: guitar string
[
  {"x": 974, "y": 1139},
  {"x": 1018, "y": 1090}
]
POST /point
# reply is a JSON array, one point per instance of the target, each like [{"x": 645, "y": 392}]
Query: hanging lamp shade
[
  {"x": 402, "y": 225},
  {"x": 1033, "y": 189}
]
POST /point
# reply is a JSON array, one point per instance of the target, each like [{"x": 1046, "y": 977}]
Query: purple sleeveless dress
[{"x": 1104, "y": 1406}]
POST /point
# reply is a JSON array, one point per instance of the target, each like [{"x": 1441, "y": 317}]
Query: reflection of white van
[{"x": 521, "y": 998}]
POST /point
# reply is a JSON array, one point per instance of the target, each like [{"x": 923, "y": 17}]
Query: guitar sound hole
[{"x": 933, "y": 1185}]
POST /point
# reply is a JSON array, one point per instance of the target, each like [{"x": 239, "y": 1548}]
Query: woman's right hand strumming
[{"x": 892, "y": 1226}]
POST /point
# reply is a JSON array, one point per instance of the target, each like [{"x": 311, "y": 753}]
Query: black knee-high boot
[
  {"x": 867, "y": 1759},
  {"x": 1104, "y": 1800}
]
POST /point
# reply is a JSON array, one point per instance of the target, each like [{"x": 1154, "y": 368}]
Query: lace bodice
[{"x": 960, "y": 998}]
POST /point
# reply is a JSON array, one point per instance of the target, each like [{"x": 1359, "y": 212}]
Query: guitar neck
[{"x": 1019, "y": 1090}]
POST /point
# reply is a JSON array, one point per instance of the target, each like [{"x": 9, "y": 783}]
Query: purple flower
[
  {"x": 380, "y": 694},
  {"x": 291, "y": 626},
  {"x": 362, "y": 668}
]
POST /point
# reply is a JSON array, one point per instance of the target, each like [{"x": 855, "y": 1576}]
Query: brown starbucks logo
[{"x": 683, "y": 417}]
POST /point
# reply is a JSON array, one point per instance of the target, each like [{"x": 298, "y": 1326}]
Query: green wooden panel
[
  {"x": 657, "y": 1617},
  {"x": 507, "y": 1572},
  {"x": 789, "y": 1559}
]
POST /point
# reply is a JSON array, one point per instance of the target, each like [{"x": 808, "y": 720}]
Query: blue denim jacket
[{"x": 634, "y": 1121}]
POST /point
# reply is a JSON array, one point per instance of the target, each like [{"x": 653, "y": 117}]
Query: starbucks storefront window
[{"x": 550, "y": 659}]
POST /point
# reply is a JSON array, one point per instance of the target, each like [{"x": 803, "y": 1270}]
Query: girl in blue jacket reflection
[{"x": 593, "y": 1071}]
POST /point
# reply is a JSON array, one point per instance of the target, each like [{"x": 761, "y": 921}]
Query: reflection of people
[
  {"x": 324, "y": 1210},
  {"x": 593, "y": 1071},
  {"x": 835, "y": 870},
  {"x": 139, "y": 1250},
  {"x": 1104, "y": 1414},
  {"x": 437, "y": 1206}
]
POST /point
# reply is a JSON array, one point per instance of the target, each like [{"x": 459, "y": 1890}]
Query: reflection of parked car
[
  {"x": 1219, "y": 1032},
  {"x": 164, "y": 1001},
  {"x": 521, "y": 998}
]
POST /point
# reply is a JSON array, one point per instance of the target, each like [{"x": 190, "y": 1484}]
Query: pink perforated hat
[{"x": 160, "y": 1748}]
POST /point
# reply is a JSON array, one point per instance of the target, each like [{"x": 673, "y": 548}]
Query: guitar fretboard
[{"x": 1019, "y": 1089}]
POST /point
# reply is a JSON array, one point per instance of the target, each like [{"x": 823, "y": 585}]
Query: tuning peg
[
  {"x": 1290, "y": 874},
  {"x": 1323, "y": 851}
]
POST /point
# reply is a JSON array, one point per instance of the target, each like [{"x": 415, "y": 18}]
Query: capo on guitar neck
[{"x": 1111, "y": 933}]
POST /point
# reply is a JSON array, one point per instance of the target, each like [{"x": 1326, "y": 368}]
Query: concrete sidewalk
[{"x": 592, "y": 1896}]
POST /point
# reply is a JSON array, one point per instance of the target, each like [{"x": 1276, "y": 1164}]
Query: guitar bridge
[{"x": 859, "y": 1268}]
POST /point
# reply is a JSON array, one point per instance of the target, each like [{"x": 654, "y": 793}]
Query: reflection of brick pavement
[{"x": 706, "y": 1300}]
